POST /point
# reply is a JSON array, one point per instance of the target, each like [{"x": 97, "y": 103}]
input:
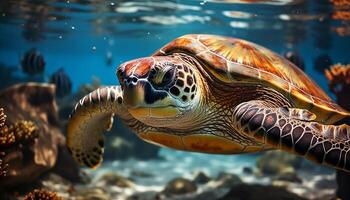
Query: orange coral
[
  {"x": 42, "y": 195},
  {"x": 341, "y": 15},
  {"x": 342, "y": 30},
  {"x": 339, "y": 83},
  {"x": 340, "y": 2},
  {"x": 338, "y": 73},
  {"x": 19, "y": 133}
]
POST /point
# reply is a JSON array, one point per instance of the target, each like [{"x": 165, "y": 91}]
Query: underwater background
[{"x": 77, "y": 46}]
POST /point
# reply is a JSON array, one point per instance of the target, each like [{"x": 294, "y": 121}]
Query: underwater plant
[
  {"x": 40, "y": 194},
  {"x": 213, "y": 94}
]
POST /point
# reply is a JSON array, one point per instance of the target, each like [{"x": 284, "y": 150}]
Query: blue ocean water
[{"x": 78, "y": 35}]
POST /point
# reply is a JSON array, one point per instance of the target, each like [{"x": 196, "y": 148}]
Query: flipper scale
[{"x": 294, "y": 131}]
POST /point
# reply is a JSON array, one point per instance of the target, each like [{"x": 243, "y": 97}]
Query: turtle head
[{"x": 159, "y": 90}]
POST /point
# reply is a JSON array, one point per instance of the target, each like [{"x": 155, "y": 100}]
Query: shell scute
[{"x": 232, "y": 60}]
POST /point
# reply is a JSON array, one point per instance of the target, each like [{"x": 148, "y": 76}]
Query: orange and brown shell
[{"x": 234, "y": 60}]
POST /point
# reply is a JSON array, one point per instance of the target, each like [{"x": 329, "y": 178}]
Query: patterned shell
[{"x": 235, "y": 60}]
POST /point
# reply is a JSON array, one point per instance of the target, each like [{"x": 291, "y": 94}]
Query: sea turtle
[{"x": 214, "y": 94}]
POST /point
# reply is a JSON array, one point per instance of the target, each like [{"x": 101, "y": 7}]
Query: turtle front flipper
[
  {"x": 279, "y": 128},
  {"x": 91, "y": 117}
]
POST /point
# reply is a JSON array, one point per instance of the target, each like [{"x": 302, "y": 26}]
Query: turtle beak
[
  {"x": 133, "y": 91},
  {"x": 133, "y": 94},
  {"x": 129, "y": 75}
]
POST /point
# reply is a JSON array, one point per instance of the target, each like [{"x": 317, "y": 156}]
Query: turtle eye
[
  {"x": 164, "y": 78},
  {"x": 168, "y": 76},
  {"x": 153, "y": 72}
]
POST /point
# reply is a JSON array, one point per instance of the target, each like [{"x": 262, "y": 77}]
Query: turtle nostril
[{"x": 131, "y": 80}]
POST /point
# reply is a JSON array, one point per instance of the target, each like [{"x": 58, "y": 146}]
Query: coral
[
  {"x": 21, "y": 132},
  {"x": 342, "y": 30},
  {"x": 341, "y": 2},
  {"x": 2, "y": 117},
  {"x": 341, "y": 15},
  {"x": 33, "y": 102},
  {"x": 42, "y": 195},
  {"x": 339, "y": 83},
  {"x": 338, "y": 73}
]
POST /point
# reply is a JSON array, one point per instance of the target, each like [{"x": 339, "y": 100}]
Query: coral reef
[
  {"x": 42, "y": 195},
  {"x": 26, "y": 105},
  {"x": 21, "y": 132},
  {"x": 339, "y": 83}
]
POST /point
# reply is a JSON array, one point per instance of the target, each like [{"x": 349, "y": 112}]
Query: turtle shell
[{"x": 234, "y": 60}]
